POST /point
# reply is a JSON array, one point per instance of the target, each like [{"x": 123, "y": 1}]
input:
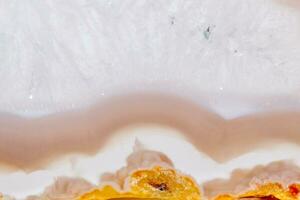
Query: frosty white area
[{"x": 61, "y": 55}]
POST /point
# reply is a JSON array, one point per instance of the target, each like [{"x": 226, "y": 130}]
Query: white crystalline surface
[{"x": 60, "y": 55}]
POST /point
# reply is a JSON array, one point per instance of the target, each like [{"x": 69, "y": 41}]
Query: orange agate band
[{"x": 167, "y": 184}]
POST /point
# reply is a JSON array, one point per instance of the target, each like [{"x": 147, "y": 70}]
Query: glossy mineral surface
[
  {"x": 233, "y": 57},
  {"x": 155, "y": 183}
]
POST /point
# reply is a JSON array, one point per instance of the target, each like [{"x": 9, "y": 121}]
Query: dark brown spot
[{"x": 160, "y": 186}]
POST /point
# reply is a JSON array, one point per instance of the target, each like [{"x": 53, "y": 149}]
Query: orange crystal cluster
[{"x": 161, "y": 183}]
